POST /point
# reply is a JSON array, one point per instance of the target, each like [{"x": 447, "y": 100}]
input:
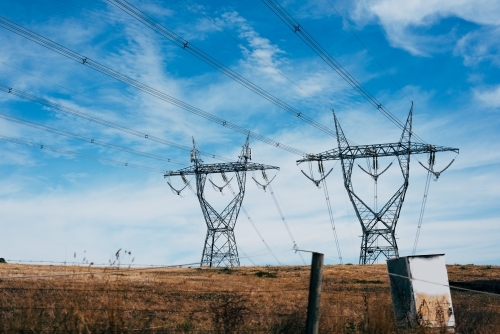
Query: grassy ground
[{"x": 355, "y": 299}]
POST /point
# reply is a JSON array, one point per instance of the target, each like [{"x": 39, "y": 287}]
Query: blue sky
[{"x": 444, "y": 55}]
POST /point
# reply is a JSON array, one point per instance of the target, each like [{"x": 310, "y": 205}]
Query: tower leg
[
  {"x": 220, "y": 249},
  {"x": 371, "y": 250}
]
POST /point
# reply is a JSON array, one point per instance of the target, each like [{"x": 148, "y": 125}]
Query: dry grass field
[{"x": 355, "y": 299}]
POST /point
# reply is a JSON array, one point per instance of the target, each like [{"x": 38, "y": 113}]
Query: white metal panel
[{"x": 430, "y": 290}]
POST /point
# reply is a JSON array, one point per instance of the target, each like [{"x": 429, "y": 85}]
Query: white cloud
[
  {"x": 490, "y": 96},
  {"x": 417, "y": 13},
  {"x": 480, "y": 46},
  {"x": 258, "y": 50},
  {"x": 157, "y": 10},
  {"x": 402, "y": 20}
]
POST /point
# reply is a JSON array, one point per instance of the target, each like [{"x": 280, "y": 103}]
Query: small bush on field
[
  {"x": 228, "y": 312},
  {"x": 294, "y": 323},
  {"x": 226, "y": 270},
  {"x": 186, "y": 326},
  {"x": 261, "y": 273}
]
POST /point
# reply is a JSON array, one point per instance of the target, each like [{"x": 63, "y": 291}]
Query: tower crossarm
[
  {"x": 230, "y": 167},
  {"x": 378, "y": 150}
]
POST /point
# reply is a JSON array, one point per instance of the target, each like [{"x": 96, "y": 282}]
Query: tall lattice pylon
[
  {"x": 220, "y": 248},
  {"x": 378, "y": 225}
]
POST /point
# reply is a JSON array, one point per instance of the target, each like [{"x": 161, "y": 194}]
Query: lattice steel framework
[
  {"x": 220, "y": 248},
  {"x": 387, "y": 217}
]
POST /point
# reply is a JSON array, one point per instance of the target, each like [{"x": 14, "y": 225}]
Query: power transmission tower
[
  {"x": 377, "y": 225},
  {"x": 220, "y": 244}
]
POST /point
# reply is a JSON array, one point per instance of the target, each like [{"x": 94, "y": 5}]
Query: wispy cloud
[
  {"x": 489, "y": 96},
  {"x": 480, "y": 46},
  {"x": 405, "y": 23}
]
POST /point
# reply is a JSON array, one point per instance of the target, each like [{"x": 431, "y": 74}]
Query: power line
[
  {"x": 85, "y": 139},
  {"x": 278, "y": 207},
  {"x": 294, "y": 26},
  {"x": 254, "y": 227},
  {"x": 51, "y": 45},
  {"x": 198, "y": 53},
  {"x": 371, "y": 54},
  {"x": 48, "y": 81},
  {"x": 82, "y": 93},
  {"x": 422, "y": 209},
  {"x": 330, "y": 214},
  {"x": 91, "y": 157},
  {"x": 98, "y": 120},
  {"x": 245, "y": 255},
  {"x": 284, "y": 222},
  {"x": 261, "y": 59},
  {"x": 349, "y": 220},
  {"x": 254, "y": 54}
]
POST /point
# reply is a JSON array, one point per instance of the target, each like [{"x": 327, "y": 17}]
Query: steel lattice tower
[
  {"x": 377, "y": 225},
  {"x": 220, "y": 248}
]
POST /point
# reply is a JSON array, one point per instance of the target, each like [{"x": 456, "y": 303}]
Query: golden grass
[{"x": 355, "y": 299}]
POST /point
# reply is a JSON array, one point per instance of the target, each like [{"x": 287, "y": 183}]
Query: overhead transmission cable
[
  {"x": 91, "y": 157},
  {"x": 294, "y": 26},
  {"x": 254, "y": 226},
  {"x": 332, "y": 221},
  {"x": 349, "y": 220},
  {"x": 278, "y": 207},
  {"x": 430, "y": 171},
  {"x": 86, "y": 139},
  {"x": 198, "y": 53},
  {"x": 98, "y": 120},
  {"x": 422, "y": 209},
  {"x": 82, "y": 93},
  {"x": 240, "y": 44},
  {"x": 322, "y": 179},
  {"x": 367, "y": 50},
  {"x": 284, "y": 222},
  {"x": 53, "y": 46},
  {"x": 45, "y": 80},
  {"x": 246, "y": 256}
]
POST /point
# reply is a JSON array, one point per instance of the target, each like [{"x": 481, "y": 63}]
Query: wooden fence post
[{"x": 312, "y": 322}]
